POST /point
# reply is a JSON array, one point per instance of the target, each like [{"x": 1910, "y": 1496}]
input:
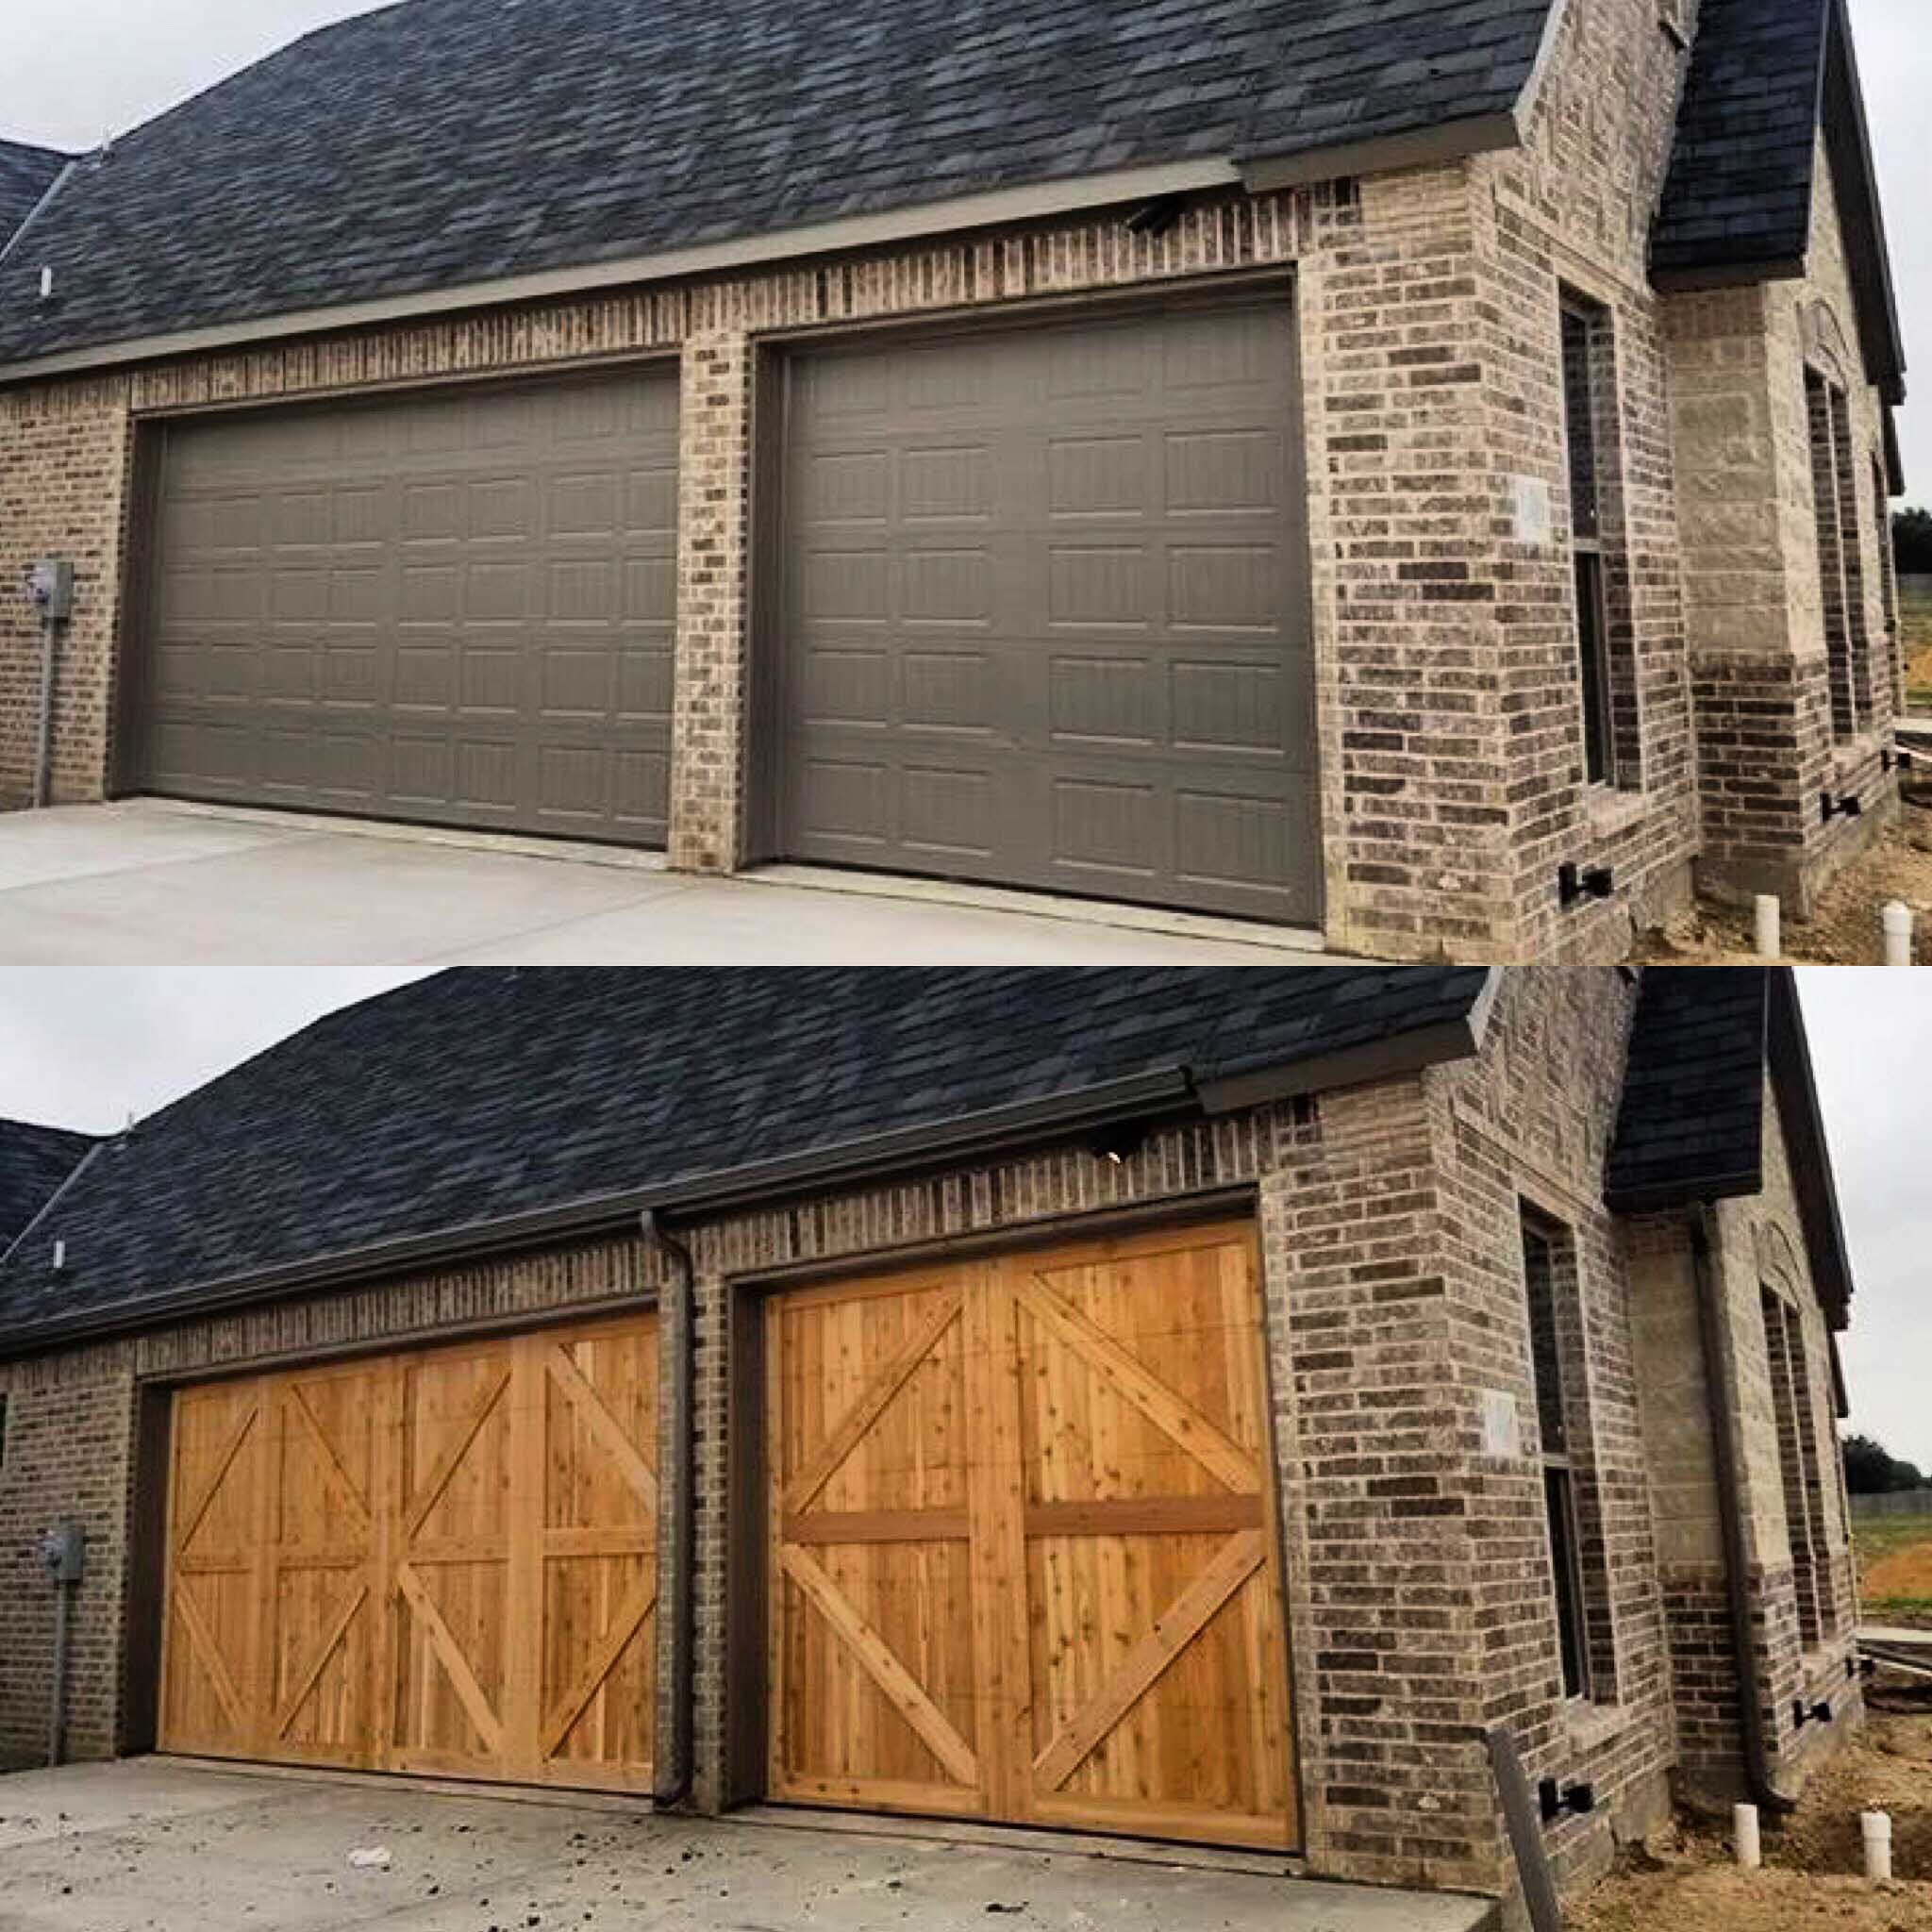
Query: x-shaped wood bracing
[{"x": 1173, "y": 1630}]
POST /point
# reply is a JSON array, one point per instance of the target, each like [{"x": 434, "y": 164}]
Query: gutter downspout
[
  {"x": 672, "y": 1782},
  {"x": 1758, "y": 1778}
]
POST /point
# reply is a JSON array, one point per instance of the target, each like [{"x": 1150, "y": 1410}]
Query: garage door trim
[{"x": 1137, "y": 1232}]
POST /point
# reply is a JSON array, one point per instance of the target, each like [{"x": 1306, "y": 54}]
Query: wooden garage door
[
  {"x": 1045, "y": 611},
  {"x": 1022, "y": 1554},
  {"x": 436, "y": 1562},
  {"x": 454, "y": 607}
]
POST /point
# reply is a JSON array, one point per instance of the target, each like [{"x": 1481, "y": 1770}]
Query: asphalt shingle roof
[
  {"x": 1766, "y": 77},
  {"x": 482, "y": 1094},
  {"x": 26, "y": 174},
  {"x": 33, "y": 1163},
  {"x": 443, "y": 142},
  {"x": 1692, "y": 1125},
  {"x": 1740, "y": 185}
]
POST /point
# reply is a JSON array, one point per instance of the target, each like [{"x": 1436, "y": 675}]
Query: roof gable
[
  {"x": 476, "y": 1101},
  {"x": 1766, "y": 77},
  {"x": 447, "y": 143},
  {"x": 1708, "y": 1045}
]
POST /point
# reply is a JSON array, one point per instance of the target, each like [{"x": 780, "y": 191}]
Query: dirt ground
[
  {"x": 1846, "y": 930},
  {"x": 1685, "y": 1880}
]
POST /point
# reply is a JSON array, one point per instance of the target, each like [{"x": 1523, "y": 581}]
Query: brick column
[
  {"x": 707, "y": 750},
  {"x": 1391, "y": 1672}
]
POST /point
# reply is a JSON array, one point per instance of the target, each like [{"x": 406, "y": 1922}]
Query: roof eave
[
  {"x": 1422, "y": 147},
  {"x": 848, "y": 234},
  {"x": 1164, "y": 1094}
]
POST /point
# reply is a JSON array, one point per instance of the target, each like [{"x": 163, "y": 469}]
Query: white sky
[
  {"x": 92, "y": 68},
  {"x": 90, "y": 1048}
]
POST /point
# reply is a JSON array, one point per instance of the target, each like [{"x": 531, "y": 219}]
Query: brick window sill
[
  {"x": 1611, "y": 812},
  {"x": 1592, "y": 1727}
]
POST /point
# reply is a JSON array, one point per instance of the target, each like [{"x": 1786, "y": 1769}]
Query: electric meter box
[
  {"x": 63, "y": 1550},
  {"x": 50, "y": 588}
]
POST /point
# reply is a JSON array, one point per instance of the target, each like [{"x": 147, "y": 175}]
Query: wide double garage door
[
  {"x": 441, "y": 1562},
  {"x": 1032, "y": 609},
  {"x": 1021, "y": 1557}
]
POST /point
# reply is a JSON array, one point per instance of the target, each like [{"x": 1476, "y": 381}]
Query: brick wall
[
  {"x": 1571, "y": 211},
  {"x": 68, "y": 1453},
  {"x": 1530, "y": 1126},
  {"x": 1755, "y": 578}
]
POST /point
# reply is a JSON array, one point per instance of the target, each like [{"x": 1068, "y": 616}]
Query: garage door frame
[
  {"x": 778, "y": 351},
  {"x": 138, "y": 583},
  {"x": 149, "y": 1531},
  {"x": 745, "y": 1768}
]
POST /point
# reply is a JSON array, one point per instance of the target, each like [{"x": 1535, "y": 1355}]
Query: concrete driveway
[
  {"x": 159, "y": 1845},
  {"x": 152, "y": 883}
]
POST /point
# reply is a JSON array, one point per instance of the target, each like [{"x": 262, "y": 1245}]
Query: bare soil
[
  {"x": 1686, "y": 1880},
  {"x": 1846, "y": 930}
]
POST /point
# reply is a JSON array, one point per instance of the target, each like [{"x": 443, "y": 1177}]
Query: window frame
[
  {"x": 1606, "y": 681},
  {"x": 1840, "y": 556},
  {"x": 1558, "y": 1463}
]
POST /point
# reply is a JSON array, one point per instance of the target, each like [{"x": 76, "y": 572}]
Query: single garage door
[
  {"x": 455, "y": 606},
  {"x": 1045, "y": 616},
  {"x": 440, "y": 1562},
  {"x": 1023, "y": 1560}
]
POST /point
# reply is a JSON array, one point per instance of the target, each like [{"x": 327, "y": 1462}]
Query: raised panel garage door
[
  {"x": 1045, "y": 611},
  {"x": 1022, "y": 1564},
  {"x": 441, "y": 1562},
  {"x": 455, "y": 606}
]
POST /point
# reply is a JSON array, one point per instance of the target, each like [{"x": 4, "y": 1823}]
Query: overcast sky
[
  {"x": 90, "y": 1049},
  {"x": 100, "y": 67}
]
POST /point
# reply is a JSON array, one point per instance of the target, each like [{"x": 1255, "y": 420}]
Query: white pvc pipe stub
[
  {"x": 1898, "y": 934},
  {"x": 1876, "y": 1826},
  {"x": 1771, "y": 939},
  {"x": 1745, "y": 1834}
]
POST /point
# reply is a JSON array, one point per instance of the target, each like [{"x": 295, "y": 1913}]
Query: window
[
  {"x": 1548, "y": 1274},
  {"x": 1799, "y": 1466},
  {"x": 1840, "y": 557},
  {"x": 1589, "y": 390},
  {"x": 3, "y": 1435}
]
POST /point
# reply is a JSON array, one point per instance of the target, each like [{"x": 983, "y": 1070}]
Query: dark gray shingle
[
  {"x": 26, "y": 174},
  {"x": 477, "y": 1096},
  {"x": 33, "y": 1163},
  {"x": 447, "y": 141}
]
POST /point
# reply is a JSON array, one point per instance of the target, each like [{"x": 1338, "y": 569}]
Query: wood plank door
[
  {"x": 1023, "y": 1549},
  {"x": 442, "y": 1562}
]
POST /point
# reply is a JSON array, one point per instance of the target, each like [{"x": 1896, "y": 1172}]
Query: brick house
[
  {"x": 1443, "y": 449},
  {"x": 1356, "y": 1360}
]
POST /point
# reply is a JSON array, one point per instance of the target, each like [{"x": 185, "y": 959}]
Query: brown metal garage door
[
  {"x": 1021, "y": 1557},
  {"x": 438, "y": 1562},
  {"x": 455, "y": 606},
  {"x": 1045, "y": 613}
]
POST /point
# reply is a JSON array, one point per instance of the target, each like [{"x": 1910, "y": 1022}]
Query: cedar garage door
[
  {"x": 438, "y": 1562},
  {"x": 454, "y": 607},
  {"x": 1045, "y": 613},
  {"x": 1023, "y": 1560}
]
